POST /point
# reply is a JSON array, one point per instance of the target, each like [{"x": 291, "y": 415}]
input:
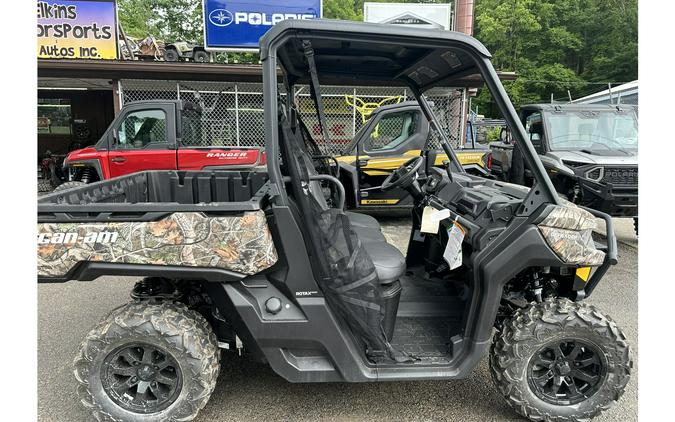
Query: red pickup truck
[{"x": 156, "y": 135}]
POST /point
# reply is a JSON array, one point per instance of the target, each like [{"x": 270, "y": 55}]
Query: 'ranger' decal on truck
[{"x": 227, "y": 154}]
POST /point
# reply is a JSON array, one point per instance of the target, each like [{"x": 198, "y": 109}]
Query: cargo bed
[{"x": 188, "y": 224}]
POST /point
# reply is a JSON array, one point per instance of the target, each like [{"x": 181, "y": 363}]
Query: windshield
[{"x": 592, "y": 130}]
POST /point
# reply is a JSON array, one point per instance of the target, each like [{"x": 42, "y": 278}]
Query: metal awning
[
  {"x": 136, "y": 69},
  {"x": 67, "y": 72}
]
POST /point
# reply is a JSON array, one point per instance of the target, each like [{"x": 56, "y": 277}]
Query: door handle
[
  {"x": 362, "y": 163},
  {"x": 118, "y": 159}
]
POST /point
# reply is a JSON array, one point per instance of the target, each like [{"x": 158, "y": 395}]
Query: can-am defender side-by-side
[
  {"x": 590, "y": 152},
  {"x": 260, "y": 264}
]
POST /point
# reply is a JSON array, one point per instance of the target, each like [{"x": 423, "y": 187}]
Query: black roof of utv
[{"x": 365, "y": 53}]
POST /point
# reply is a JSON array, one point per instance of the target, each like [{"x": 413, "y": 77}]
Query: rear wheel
[
  {"x": 68, "y": 185},
  {"x": 560, "y": 361},
  {"x": 148, "y": 362}
]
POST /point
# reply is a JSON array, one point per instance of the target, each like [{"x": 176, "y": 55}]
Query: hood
[
  {"x": 83, "y": 154},
  {"x": 603, "y": 157}
]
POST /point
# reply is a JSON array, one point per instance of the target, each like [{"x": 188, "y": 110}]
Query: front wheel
[
  {"x": 200, "y": 56},
  {"x": 171, "y": 55},
  {"x": 148, "y": 362},
  {"x": 560, "y": 361},
  {"x": 68, "y": 185}
]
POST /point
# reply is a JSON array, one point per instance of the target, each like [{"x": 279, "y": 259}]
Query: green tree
[
  {"x": 556, "y": 46},
  {"x": 342, "y": 9},
  {"x": 170, "y": 20}
]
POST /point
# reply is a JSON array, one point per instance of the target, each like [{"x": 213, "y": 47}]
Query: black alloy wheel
[
  {"x": 560, "y": 361},
  {"x": 566, "y": 372},
  {"x": 141, "y": 378}
]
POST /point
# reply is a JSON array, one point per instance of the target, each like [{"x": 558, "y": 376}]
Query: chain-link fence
[{"x": 232, "y": 113}]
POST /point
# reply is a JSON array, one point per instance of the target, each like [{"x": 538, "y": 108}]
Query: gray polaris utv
[
  {"x": 590, "y": 152},
  {"x": 258, "y": 264}
]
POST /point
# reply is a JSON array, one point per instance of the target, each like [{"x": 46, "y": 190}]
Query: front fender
[{"x": 94, "y": 163}]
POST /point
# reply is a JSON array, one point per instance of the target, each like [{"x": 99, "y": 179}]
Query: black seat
[
  {"x": 389, "y": 262},
  {"x": 362, "y": 220}
]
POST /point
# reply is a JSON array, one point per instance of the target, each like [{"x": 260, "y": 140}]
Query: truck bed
[
  {"x": 205, "y": 224},
  {"x": 156, "y": 191}
]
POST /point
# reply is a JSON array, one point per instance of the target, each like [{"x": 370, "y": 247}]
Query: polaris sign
[{"x": 238, "y": 25}]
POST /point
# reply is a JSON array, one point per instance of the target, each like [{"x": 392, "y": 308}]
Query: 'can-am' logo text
[{"x": 74, "y": 238}]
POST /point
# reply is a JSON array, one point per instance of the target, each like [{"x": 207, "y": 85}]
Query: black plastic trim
[{"x": 88, "y": 271}]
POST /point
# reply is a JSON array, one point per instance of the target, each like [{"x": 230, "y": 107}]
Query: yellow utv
[{"x": 392, "y": 135}]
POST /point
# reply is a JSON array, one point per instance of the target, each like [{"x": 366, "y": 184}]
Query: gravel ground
[{"x": 249, "y": 391}]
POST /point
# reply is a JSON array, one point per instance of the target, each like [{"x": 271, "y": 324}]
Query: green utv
[{"x": 257, "y": 263}]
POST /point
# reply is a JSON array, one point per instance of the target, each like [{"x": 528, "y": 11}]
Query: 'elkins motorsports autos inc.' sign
[{"x": 82, "y": 29}]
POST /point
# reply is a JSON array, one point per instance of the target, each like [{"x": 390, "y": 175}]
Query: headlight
[
  {"x": 573, "y": 164},
  {"x": 568, "y": 230}
]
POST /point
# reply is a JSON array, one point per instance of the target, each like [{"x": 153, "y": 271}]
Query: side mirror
[
  {"x": 535, "y": 132},
  {"x": 504, "y": 135}
]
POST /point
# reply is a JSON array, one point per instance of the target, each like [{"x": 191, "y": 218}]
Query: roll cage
[{"x": 377, "y": 54}]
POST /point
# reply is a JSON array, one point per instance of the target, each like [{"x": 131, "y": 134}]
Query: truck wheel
[
  {"x": 635, "y": 224},
  {"x": 560, "y": 361},
  {"x": 201, "y": 56},
  {"x": 44, "y": 185},
  {"x": 171, "y": 55},
  {"x": 68, "y": 185},
  {"x": 148, "y": 362}
]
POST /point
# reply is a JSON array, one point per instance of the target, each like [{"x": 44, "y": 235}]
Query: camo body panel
[
  {"x": 239, "y": 243},
  {"x": 568, "y": 230},
  {"x": 570, "y": 217}
]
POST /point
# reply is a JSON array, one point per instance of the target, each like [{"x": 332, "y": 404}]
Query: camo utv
[{"x": 258, "y": 263}]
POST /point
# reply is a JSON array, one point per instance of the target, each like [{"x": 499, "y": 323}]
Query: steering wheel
[{"x": 404, "y": 175}]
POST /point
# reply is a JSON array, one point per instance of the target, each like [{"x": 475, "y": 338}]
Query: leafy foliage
[
  {"x": 170, "y": 20},
  {"x": 553, "y": 45},
  {"x": 556, "y": 46}
]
